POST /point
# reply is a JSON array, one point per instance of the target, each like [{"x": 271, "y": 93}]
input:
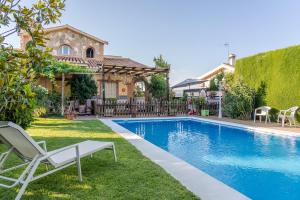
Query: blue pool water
[{"x": 261, "y": 166}]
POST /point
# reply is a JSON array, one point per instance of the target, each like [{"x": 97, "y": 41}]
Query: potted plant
[{"x": 81, "y": 105}]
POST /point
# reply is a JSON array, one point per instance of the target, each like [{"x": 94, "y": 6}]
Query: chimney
[{"x": 231, "y": 59}]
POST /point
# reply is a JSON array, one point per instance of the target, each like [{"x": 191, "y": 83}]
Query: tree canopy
[
  {"x": 161, "y": 62},
  {"x": 18, "y": 67},
  {"x": 158, "y": 85},
  {"x": 83, "y": 87}
]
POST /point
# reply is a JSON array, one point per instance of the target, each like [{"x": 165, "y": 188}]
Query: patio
[{"x": 275, "y": 126}]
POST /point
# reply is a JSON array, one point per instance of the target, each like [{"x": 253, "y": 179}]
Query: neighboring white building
[
  {"x": 193, "y": 87},
  {"x": 223, "y": 68}
]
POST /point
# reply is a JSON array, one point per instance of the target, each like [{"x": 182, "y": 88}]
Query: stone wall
[{"x": 78, "y": 42}]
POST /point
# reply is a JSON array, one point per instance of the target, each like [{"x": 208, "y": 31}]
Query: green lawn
[{"x": 132, "y": 177}]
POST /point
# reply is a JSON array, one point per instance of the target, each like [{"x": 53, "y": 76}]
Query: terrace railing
[{"x": 112, "y": 108}]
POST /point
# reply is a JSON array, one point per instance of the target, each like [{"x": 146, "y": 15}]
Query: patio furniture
[
  {"x": 76, "y": 105},
  {"x": 33, "y": 155},
  {"x": 262, "y": 111},
  {"x": 122, "y": 100},
  {"x": 70, "y": 112},
  {"x": 289, "y": 115}
]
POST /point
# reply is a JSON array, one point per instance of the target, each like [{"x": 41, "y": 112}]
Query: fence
[{"x": 112, "y": 108}]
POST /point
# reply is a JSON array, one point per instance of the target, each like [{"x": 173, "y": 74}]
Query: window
[
  {"x": 110, "y": 90},
  {"x": 65, "y": 50},
  {"x": 90, "y": 52}
]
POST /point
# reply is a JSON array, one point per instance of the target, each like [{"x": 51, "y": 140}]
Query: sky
[{"x": 190, "y": 34}]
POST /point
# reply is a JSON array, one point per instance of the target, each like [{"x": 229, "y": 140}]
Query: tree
[
  {"x": 83, "y": 87},
  {"x": 212, "y": 84},
  {"x": 158, "y": 85},
  {"x": 19, "y": 69},
  {"x": 161, "y": 62}
]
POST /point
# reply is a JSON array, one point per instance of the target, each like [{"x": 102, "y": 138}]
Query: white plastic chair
[
  {"x": 262, "y": 111},
  {"x": 33, "y": 155},
  {"x": 289, "y": 114}
]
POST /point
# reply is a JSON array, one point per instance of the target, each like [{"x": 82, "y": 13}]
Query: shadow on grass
[
  {"x": 132, "y": 177},
  {"x": 79, "y": 126}
]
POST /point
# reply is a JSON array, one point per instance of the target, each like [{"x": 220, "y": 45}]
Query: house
[
  {"x": 115, "y": 76},
  {"x": 223, "y": 68},
  {"x": 189, "y": 87},
  {"x": 197, "y": 86}
]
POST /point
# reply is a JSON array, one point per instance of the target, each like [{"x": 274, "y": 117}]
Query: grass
[{"x": 132, "y": 177}]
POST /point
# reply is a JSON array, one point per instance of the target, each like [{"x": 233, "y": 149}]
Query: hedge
[{"x": 279, "y": 69}]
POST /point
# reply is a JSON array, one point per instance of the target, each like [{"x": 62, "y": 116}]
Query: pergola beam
[
  {"x": 109, "y": 70},
  {"x": 132, "y": 70},
  {"x": 120, "y": 69}
]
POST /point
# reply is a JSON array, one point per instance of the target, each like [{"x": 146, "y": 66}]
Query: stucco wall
[{"x": 46, "y": 83}]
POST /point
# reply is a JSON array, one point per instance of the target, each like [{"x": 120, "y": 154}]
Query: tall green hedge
[{"x": 279, "y": 69}]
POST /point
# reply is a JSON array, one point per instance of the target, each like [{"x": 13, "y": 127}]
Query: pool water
[{"x": 261, "y": 166}]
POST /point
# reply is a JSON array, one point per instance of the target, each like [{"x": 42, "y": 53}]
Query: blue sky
[{"x": 190, "y": 34}]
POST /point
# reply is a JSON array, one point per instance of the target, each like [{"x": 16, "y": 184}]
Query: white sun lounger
[{"x": 33, "y": 155}]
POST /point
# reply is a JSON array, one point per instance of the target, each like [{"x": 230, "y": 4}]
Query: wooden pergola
[{"x": 133, "y": 71}]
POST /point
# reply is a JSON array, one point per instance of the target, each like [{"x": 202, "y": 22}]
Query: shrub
[
  {"x": 238, "y": 101},
  {"x": 279, "y": 70},
  {"x": 229, "y": 80},
  {"x": 19, "y": 104},
  {"x": 41, "y": 101},
  {"x": 54, "y": 102},
  {"x": 199, "y": 103},
  {"x": 273, "y": 114},
  {"x": 18, "y": 69},
  {"x": 83, "y": 87},
  {"x": 260, "y": 95},
  {"x": 40, "y": 95},
  {"x": 212, "y": 84},
  {"x": 40, "y": 111}
]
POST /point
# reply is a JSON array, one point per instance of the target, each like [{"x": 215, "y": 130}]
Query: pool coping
[
  {"x": 200, "y": 183},
  {"x": 262, "y": 130}
]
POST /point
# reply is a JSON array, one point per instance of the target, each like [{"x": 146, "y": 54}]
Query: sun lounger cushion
[{"x": 86, "y": 148}]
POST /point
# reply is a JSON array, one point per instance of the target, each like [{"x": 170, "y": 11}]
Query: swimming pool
[{"x": 261, "y": 166}]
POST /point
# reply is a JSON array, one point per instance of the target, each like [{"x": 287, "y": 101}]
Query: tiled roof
[
  {"x": 108, "y": 61},
  {"x": 88, "y": 62},
  {"x": 120, "y": 61}
]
